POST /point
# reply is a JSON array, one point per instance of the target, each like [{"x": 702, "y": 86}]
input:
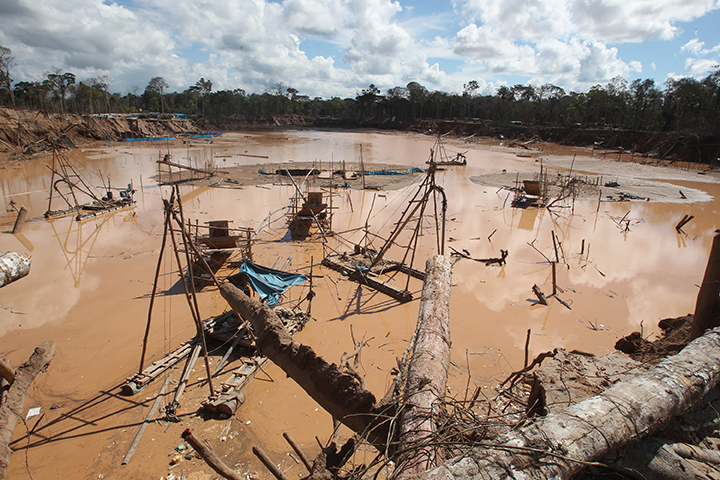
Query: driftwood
[
  {"x": 707, "y": 305},
  {"x": 540, "y": 295},
  {"x": 13, "y": 400},
  {"x": 560, "y": 445},
  {"x": 427, "y": 372},
  {"x": 683, "y": 221}
]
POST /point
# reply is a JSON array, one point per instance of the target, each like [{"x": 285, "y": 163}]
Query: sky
[{"x": 336, "y": 48}]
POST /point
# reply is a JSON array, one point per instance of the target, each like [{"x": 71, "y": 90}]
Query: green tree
[
  {"x": 59, "y": 84},
  {"x": 157, "y": 86},
  {"x": 7, "y": 63}
]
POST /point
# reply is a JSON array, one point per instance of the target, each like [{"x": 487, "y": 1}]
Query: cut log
[
  {"x": 20, "y": 220},
  {"x": 560, "y": 445},
  {"x": 707, "y": 305},
  {"x": 427, "y": 372},
  {"x": 13, "y": 266},
  {"x": 14, "y": 401}
]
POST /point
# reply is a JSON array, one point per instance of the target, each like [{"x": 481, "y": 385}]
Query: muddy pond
[{"x": 90, "y": 282}]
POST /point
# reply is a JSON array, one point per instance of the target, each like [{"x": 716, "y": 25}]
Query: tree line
[{"x": 682, "y": 105}]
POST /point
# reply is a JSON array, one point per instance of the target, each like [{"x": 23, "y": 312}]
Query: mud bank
[{"x": 28, "y": 131}]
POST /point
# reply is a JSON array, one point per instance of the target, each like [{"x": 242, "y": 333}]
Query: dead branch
[
  {"x": 13, "y": 403},
  {"x": 584, "y": 433}
]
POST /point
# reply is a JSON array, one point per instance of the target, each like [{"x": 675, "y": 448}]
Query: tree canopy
[{"x": 683, "y": 104}]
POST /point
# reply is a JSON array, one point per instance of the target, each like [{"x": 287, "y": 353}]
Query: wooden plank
[{"x": 368, "y": 279}]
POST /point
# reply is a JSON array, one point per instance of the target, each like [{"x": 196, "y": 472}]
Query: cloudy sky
[{"x": 329, "y": 48}]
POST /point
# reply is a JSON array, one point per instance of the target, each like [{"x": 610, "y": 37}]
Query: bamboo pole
[{"x": 138, "y": 436}]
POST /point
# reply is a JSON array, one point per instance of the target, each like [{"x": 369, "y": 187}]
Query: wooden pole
[
  {"x": 166, "y": 227},
  {"x": 20, "y": 220},
  {"x": 187, "y": 241},
  {"x": 299, "y": 452},
  {"x": 427, "y": 372},
  {"x": 527, "y": 347},
  {"x": 138, "y": 436},
  {"x": 554, "y": 278},
  {"x": 210, "y": 457},
  {"x": 707, "y": 305},
  {"x": 268, "y": 463}
]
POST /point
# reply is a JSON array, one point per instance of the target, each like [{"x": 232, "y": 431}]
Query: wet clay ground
[{"x": 90, "y": 283}]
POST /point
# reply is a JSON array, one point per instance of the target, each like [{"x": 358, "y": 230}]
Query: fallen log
[
  {"x": 13, "y": 401},
  {"x": 13, "y": 266},
  {"x": 427, "y": 373},
  {"x": 339, "y": 393},
  {"x": 707, "y": 303},
  {"x": 560, "y": 445}
]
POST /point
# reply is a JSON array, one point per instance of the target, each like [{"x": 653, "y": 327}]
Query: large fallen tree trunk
[
  {"x": 13, "y": 266},
  {"x": 707, "y": 304},
  {"x": 560, "y": 445},
  {"x": 427, "y": 373},
  {"x": 341, "y": 394},
  {"x": 13, "y": 400}
]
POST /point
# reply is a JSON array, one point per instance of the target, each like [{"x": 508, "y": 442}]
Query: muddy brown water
[{"x": 90, "y": 282}]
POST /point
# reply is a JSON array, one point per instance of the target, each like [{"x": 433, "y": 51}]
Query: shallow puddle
[{"x": 90, "y": 283}]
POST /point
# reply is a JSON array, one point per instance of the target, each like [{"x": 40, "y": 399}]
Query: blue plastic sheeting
[
  {"x": 147, "y": 139},
  {"x": 264, "y": 172},
  {"x": 395, "y": 172},
  {"x": 207, "y": 135},
  {"x": 269, "y": 283}
]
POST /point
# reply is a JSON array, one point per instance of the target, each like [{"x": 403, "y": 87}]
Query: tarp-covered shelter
[{"x": 268, "y": 283}]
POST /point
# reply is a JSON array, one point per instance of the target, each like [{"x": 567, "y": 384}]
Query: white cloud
[
  {"x": 602, "y": 20},
  {"x": 700, "y": 60},
  {"x": 254, "y": 44}
]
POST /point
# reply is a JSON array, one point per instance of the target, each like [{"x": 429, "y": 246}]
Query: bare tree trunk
[
  {"x": 707, "y": 314},
  {"x": 12, "y": 404},
  {"x": 558, "y": 446},
  {"x": 427, "y": 372},
  {"x": 340, "y": 394}
]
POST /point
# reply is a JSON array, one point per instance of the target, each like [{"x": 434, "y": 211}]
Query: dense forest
[{"x": 681, "y": 105}]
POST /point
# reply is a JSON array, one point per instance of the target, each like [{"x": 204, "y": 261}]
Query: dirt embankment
[
  {"x": 686, "y": 147},
  {"x": 27, "y": 131}
]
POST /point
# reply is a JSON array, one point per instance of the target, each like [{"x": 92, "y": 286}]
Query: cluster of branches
[{"x": 684, "y": 104}]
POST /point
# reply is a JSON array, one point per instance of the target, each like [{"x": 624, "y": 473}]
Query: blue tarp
[
  {"x": 269, "y": 283},
  {"x": 395, "y": 172}
]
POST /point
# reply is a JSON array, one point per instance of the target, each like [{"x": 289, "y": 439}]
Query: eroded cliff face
[{"x": 28, "y": 131}]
